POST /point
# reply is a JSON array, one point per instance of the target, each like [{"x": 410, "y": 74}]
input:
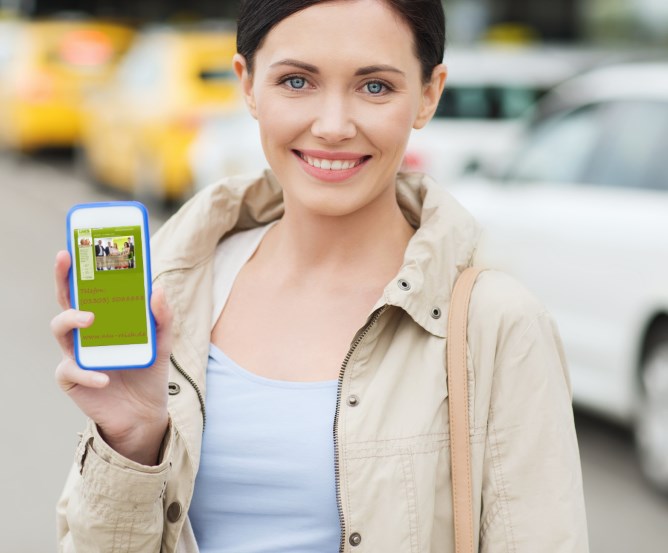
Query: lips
[
  {"x": 331, "y": 161},
  {"x": 331, "y": 166}
]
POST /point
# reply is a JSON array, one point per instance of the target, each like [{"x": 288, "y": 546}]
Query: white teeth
[{"x": 330, "y": 164}]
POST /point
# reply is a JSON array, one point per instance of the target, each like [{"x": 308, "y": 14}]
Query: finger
[
  {"x": 163, "y": 320},
  {"x": 63, "y": 323},
  {"x": 61, "y": 271},
  {"x": 69, "y": 375}
]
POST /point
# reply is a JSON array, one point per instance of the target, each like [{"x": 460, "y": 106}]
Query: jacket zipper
[
  {"x": 193, "y": 384},
  {"x": 352, "y": 349}
]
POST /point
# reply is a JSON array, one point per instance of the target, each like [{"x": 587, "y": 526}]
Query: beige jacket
[{"x": 391, "y": 423}]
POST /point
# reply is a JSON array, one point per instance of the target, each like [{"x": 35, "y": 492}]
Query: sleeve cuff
[{"x": 107, "y": 474}]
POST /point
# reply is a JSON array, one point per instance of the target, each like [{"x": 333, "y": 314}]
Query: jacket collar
[{"x": 442, "y": 247}]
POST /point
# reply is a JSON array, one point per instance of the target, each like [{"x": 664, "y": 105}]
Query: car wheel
[{"x": 651, "y": 431}]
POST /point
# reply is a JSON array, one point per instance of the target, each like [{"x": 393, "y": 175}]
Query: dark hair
[{"x": 424, "y": 17}]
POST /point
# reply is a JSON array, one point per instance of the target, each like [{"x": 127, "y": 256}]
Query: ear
[
  {"x": 246, "y": 80},
  {"x": 431, "y": 95}
]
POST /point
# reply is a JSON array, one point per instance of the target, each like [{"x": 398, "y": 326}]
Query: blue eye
[
  {"x": 296, "y": 82},
  {"x": 375, "y": 87}
]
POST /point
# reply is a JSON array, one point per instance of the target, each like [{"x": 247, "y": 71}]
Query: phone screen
[{"x": 110, "y": 283}]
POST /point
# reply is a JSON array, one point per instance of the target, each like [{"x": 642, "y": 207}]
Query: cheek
[
  {"x": 276, "y": 119},
  {"x": 389, "y": 128},
  {"x": 276, "y": 125}
]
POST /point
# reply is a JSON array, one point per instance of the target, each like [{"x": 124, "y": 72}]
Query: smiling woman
[
  {"x": 305, "y": 329},
  {"x": 339, "y": 81}
]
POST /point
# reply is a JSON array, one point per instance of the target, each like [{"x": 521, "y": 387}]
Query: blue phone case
[{"x": 147, "y": 265}]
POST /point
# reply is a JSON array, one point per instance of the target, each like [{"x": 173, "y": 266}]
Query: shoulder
[
  {"x": 190, "y": 236},
  {"x": 511, "y": 333},
  {"x": 503, "y": 306}
]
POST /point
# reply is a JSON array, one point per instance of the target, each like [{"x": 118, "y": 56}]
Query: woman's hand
[{"x": 128, "y": 406}]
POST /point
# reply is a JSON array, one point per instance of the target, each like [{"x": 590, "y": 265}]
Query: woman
[
  {"x": 309, "y": 308},
  {"x": 125, "y": 255}
]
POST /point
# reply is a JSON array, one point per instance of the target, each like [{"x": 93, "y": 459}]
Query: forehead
[{"x": 356, "y": 32}]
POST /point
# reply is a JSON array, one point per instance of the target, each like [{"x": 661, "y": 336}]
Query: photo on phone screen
[{"x": 110, "y": 283}]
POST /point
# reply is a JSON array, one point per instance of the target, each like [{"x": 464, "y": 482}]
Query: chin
[{"x": 331, "y": 201}]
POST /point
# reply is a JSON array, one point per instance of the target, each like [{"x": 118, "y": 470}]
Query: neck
[{"x": 368, "y": 244}]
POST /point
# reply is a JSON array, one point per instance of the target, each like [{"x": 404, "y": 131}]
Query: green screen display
[{"x": 110, "y": 281}]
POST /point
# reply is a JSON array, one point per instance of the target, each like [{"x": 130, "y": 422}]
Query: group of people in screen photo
[{"x": 108, "y": 255}]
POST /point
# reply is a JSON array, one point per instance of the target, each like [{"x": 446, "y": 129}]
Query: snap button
[
  {"x": 436, "y": 313},
  {"x": 174, "y": 512},
  {"x": 355, "y": 539},
  {"x": 404, "y": 284},
  {"x": 353, "y": 401},
  {"x": 174, "y": 388}
]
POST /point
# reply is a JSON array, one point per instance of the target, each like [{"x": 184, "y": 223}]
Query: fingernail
[{"x": 84, "y": 318}]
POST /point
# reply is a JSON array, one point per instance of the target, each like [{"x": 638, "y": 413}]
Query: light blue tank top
[{"x": 266, "y": 479}]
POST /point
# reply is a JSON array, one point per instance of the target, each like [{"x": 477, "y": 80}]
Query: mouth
[{"x": 332, "y": 162}]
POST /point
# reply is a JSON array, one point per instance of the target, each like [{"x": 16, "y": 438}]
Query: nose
[{"x": 334, "y": 121}]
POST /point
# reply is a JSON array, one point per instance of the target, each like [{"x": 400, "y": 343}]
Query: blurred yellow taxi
[
  {"x": 48, "y": 67},
  {"x": 137, "y": 132}
]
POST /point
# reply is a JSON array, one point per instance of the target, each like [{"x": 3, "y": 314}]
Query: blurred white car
[
  {"x": 488, "y": 91},
  {"x": 581, "y": 217},
  {"x": 226, "y": 145}
]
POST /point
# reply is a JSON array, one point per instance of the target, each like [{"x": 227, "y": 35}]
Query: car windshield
[
  {"x": 614, "y": 143},
  {"x": 487, "y": 102},
  {"x": 559, "y": 148}
]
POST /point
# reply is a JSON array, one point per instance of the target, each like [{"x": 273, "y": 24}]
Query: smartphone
[{"x": 110, "y": 276}]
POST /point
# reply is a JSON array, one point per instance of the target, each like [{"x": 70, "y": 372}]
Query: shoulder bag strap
[{"x": 460, "y": 449}]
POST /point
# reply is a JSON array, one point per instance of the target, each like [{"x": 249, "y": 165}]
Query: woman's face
[{"x": 336, "y": 90}]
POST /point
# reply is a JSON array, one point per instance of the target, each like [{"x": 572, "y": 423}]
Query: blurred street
[{"x": 39, "y": 424}]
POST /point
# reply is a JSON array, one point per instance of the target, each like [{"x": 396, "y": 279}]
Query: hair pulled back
[{"x": 425, "y": 18}]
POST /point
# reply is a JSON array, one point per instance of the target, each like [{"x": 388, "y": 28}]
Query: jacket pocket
[{"x": 381, "y": 503}]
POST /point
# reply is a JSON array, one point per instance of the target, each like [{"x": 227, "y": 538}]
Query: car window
[
  {"x": 486, "y": 102},
  {"x": 216, "y": 75},
  {"x": 656, "y": 177},
  {"x": 559, "y": 148},
  {"x": 631, "y": 152}
]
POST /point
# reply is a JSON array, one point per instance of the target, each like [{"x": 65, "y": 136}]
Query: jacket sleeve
[
  {"x": 533, "y": 499},
  {"x": 111, "y": 504}
]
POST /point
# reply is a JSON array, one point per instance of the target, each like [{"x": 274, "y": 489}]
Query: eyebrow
[
  {"x": 362, "y": 71},
  {"x": 369, "y": 69},
  {"x": 299, "y": 64}
]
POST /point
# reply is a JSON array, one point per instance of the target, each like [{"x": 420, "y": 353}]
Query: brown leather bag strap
[{"x": 458, "y": 406}]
